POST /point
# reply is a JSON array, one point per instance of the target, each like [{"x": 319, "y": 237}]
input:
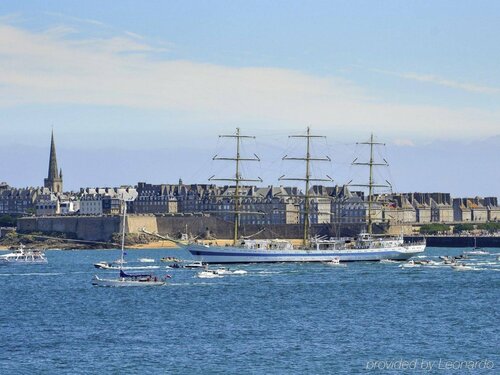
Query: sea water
[{"x": 275, "y": 319}]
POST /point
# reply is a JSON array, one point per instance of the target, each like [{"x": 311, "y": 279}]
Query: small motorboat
[
  {"x": 449, "y": 260},
  {"x": 105, "y": 266},
  {"x": 196, "y": 264},
  {"x": 146, "y": 260},
  {"x": 476, "y": 252},
  {"x": 24, "y": 256},
  {"x": 239, "y": 272},
  {"x": 208, "y": 274},
  {"x": 410, "y": 264},
  {"x": 170, "y": 260},
  {"x": 174, "y": 265},
  {"x": 461, "y": 267},
  {"x": 223, "y": 271},
  {"x": 334, "y": 262}
]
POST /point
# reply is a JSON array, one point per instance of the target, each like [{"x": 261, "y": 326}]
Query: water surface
[{"x": 276, "y": 319}]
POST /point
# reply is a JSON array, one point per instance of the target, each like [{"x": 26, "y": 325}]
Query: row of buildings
[{"x": 260, "y": 205}]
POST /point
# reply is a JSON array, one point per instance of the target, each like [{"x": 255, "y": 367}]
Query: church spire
[
  {"x": 54, "y": 178},
  {"x": 53, "y": 170}
]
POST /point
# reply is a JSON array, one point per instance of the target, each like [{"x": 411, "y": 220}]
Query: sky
[{"x": 140, "y": 91}]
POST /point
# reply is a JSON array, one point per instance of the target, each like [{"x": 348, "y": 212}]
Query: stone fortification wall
[
  {"x": 135, "y": 223},
  {"x": 98, "y": 228},
  {"x": 101, "y": 228},
  {"x": 204, "y": 226}
]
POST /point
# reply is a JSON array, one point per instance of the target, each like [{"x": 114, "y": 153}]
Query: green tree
[
  {"x": 490, "y": 227},
  {"x": 459, "y": 228},
  {"x": 8, "y": 221},
  {"x": 434, "y": 228}
]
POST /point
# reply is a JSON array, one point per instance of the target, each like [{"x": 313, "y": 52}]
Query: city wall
[
  {"x": 92, "y": 228},
  {"x": 101, "y": 228}
]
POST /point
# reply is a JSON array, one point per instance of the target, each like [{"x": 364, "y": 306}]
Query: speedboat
[
  {"x": 24, "y": 256},
  {"x": 461, "y": 267},
  {"x": 410, "y": 264},
  {"x": 240, "y": 272},
  {"x": 146, "y": 260},
  {"x": 174, "y": 265},
  {"x": 223, "y": 271},
  {"x": 208, "y": 274},
  {"x": 105, "y": 266},
  {"x": 476, "y": 252},
  {"x": 449, "y": 260},
  {"x": 334, "y": 262},
  {"x": 196, "y": 264}
]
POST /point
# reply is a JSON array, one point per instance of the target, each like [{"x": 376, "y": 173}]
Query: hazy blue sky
[{"x": 139, "y": 90}]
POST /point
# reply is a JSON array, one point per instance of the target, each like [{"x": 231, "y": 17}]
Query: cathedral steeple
[{"x": 54, "y": 180}]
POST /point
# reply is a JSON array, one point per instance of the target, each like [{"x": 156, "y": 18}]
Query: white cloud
[
  {"x": 76, "y": 19},
  {"x": 404, "y": 142},
  {"x": 133, "y": 35},
  {"x": 46, "y": 68},
  {"x": 429, "y": 78}
]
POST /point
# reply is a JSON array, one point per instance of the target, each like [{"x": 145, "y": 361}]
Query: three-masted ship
[{"x": 365, "y": 247}]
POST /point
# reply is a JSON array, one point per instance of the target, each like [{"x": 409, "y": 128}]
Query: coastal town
[
  {"x": 249, "y": 187},
  {"x": 207, "y": 210}
]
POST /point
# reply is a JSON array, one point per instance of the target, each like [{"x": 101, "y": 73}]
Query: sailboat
[
  {"x": 125, "y": 279},
  {"x": 364, "y": 248},
  {"x": 476, "y": 250}
]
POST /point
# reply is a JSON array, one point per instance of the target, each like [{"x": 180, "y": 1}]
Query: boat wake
[{"x": 33, "y": 274}]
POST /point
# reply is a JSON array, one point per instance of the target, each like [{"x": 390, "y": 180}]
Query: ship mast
[
  {"x": 308, "y": 159},
  {"x": 238, "y": 178},
  {"x": 371, "y": 182}
]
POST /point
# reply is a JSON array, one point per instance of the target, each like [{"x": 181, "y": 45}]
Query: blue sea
[{"x": 275, "y": 319}]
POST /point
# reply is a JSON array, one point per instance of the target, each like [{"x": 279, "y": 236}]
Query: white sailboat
[
  {"x": 124, "y": 279},
  {"x": 476, "y": 250}
]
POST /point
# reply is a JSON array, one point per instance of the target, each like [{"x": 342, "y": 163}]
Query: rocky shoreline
[{"x": 41, "y": 241}]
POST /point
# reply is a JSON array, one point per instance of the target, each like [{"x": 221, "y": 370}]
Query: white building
[{"x": 99, "y": 201}]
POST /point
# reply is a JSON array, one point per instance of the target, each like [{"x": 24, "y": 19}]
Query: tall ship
[{"x": 365, "y": 247}]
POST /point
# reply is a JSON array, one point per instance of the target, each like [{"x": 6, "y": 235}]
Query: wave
[{"x": 33, "y": 274}]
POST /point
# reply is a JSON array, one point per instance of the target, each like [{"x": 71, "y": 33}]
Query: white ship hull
[{"x": 229, "y": 254}]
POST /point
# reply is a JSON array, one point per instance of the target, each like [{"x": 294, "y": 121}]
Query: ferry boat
[
  {"x": 365, "y": 247},
  {"x": 24, "y": 256}
]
